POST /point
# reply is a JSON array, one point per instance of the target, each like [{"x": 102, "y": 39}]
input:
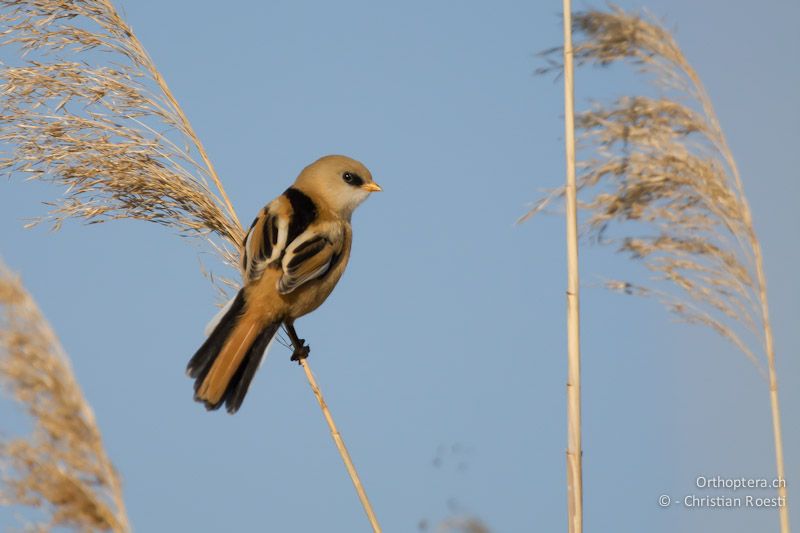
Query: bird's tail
[{"x": 224, "y": 365}]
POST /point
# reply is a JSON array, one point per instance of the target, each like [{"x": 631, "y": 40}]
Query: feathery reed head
[
  {"x": 88, "y": 110},
  {"x": 62, "y": 467},
  {"x": 662, "y": 165}
]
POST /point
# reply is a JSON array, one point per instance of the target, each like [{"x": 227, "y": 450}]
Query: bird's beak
[{"x": 372, "y": 187}]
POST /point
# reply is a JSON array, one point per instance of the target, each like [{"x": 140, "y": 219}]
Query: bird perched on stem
[{"x": 294, "y": 254}]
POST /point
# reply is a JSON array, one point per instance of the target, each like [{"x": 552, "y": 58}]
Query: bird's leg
[{"x": 301, "y": 350}]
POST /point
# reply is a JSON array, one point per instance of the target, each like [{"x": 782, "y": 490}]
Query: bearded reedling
[{"x": 294, "y": 254}]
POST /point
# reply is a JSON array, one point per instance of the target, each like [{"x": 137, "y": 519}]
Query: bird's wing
[
  {"x": 310, "y": 255},
  {"x": 265, "y": 242}
]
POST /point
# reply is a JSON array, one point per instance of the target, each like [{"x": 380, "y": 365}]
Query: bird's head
[{"x": 339, "y": 182}]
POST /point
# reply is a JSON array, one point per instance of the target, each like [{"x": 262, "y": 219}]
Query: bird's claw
[{"x": 301, "y": 352}]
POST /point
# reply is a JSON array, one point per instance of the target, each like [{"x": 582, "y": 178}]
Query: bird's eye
[{"x": 353, "y": 179}]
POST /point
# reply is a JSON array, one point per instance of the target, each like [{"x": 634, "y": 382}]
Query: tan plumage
[{"x": 294, "y": 254}]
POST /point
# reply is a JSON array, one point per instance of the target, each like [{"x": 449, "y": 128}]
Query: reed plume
[
  {"x": 106, "y": 126},
  {"x": 659, "y": 171},
  {"x": 62, "y": 467}
]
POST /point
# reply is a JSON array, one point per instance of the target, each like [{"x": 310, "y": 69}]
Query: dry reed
[
  {"x": 62, "y": 468},
  {"x": 104, "y": 125},
  {"x": 113, "y": 134},
  {"x": 574, "y": 445},
  {"x": 663, "y": 166}
]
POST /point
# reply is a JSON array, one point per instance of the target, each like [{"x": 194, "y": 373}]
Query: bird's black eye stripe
[{"x": 351, "y": 178}]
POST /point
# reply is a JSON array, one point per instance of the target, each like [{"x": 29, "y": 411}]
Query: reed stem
[
  {"x": 574, "y": 451},
  {"x": 783, "y": 510},
  {"x": 337, "y": 439}
]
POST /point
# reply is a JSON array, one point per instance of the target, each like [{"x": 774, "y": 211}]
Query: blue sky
[{"x": 445, "y": 337}]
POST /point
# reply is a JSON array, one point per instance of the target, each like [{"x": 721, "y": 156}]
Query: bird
[{"x": 293, "y": 256}]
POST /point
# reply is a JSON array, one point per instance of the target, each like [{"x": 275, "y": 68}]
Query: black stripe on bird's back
[{"x": 304, "y": 212}]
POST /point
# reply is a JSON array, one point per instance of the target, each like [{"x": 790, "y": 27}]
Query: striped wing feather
[
  {"x": 310, "y": 256},
  {"x": 273, "y": 241}
]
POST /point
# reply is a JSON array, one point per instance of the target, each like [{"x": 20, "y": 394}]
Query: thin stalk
[
  {"x": 574, "y": 451},
  {"x": 783, "y": 510},
  {"x": 337, "y": 439}
]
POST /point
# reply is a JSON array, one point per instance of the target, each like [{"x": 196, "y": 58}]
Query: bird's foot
[{"x": 301, "y": 352}]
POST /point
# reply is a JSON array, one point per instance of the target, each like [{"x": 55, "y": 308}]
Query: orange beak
[{"x": 372, "y": 187}]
